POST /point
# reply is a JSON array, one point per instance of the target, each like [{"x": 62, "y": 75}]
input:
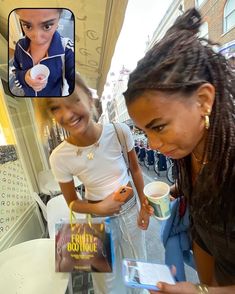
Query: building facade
[
  {"x": 218, "y": 26},
  {"x": 175, "y": 9},
  {"x": 220, "y": 17},
  {"x": 116, "y": 106}
]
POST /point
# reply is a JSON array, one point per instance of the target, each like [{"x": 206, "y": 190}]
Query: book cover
[{"x": 83, "y": 247}]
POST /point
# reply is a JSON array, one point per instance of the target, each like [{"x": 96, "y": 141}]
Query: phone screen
[{"x": 123, "y": 193}]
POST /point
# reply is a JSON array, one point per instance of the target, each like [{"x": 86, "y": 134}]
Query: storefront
[{"x": 20, "y": 218}]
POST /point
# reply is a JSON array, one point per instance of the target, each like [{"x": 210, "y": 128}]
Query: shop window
[{"x": 229, "y": 15}]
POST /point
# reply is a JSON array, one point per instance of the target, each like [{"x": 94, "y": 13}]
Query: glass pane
[
  {"x": 199, "y": 2},
  {"x": 204, "y": 30},
  {"x": 229, "y": 7},
  {"x": 230, "y": 21}
]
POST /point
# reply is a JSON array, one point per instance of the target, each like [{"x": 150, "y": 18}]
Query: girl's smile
[{"x": 74, "y": 114}]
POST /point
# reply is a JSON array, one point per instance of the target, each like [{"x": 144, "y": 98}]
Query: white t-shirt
[{"x": 103, "y": 174}]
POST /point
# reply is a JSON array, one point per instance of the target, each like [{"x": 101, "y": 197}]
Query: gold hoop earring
[{"x": 207, "y": 122}]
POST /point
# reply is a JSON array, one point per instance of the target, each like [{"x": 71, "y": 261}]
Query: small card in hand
[{"x": 145, "y": 275}]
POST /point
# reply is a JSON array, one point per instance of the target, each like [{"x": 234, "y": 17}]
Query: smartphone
[
  {"x": 138, "y": 274},
  {"x": 123, "y": 193}
]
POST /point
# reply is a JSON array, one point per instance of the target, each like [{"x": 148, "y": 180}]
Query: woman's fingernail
[{"x": 159, "y": 285}]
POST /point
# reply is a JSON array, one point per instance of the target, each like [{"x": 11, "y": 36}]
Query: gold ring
[{"x": 202, "y": 288}]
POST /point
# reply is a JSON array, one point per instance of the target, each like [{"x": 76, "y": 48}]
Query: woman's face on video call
[
  {"x": 73, "y": 113},
  {"x": 174, "y": 125},
  {"x": 39, "y": 25}
]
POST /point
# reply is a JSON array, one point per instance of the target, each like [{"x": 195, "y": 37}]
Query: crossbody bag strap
[{"x": 122, "y": 141}]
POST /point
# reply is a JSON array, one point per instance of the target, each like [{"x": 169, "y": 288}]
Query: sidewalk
[{"x": 155, "y": 249}]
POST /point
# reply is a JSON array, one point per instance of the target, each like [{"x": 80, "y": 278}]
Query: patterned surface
[{"x": 15, "y": 197}]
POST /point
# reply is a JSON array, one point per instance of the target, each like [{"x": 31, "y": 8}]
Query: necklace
[
  {"x": 201, "y": 161},
  {"x": 91, "y": 154}
]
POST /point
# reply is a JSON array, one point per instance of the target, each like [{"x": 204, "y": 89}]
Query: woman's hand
[
  {"x": 108, "y": 206},
  {"x": 36, "y": 84},
  {"x": 148, "y": 208},
  {"x": 145, "y": 212},
  {"x": 143, "y": 219},
  {"x": 178, "y": 288}
]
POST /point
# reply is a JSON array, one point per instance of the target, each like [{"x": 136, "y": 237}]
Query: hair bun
[{"x": 191, "y": 20}]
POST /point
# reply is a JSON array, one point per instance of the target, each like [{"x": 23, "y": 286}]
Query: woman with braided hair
[{"x": 181, "y": 96}]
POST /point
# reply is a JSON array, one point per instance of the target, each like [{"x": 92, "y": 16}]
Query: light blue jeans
[{"x": 128, "y": 242}]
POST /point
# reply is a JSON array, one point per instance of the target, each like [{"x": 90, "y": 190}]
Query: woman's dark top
[{"x": 212, "y": 218}]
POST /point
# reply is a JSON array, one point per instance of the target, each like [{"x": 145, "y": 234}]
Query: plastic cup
[
  {"x": 40, "y": 72},
  {"x": 158, "y": 195}
]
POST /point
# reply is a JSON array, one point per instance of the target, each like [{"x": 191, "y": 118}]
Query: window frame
[{"x": 225, "y": 17}]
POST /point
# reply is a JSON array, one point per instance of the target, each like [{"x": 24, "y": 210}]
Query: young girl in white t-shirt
[{"x": 92, "y": 152}]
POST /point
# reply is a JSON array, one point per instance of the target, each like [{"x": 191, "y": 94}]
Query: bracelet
[
  {"x": 202, "y": 288},
  {"x": 71, "y": 205}
]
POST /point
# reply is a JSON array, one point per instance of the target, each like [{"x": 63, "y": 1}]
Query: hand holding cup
[
  {"x": 37, "y": 77},
  {"x": 158, "y": 195}
]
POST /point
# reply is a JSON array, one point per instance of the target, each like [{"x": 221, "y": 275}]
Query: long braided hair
[{"x": 181, "y": 62}]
